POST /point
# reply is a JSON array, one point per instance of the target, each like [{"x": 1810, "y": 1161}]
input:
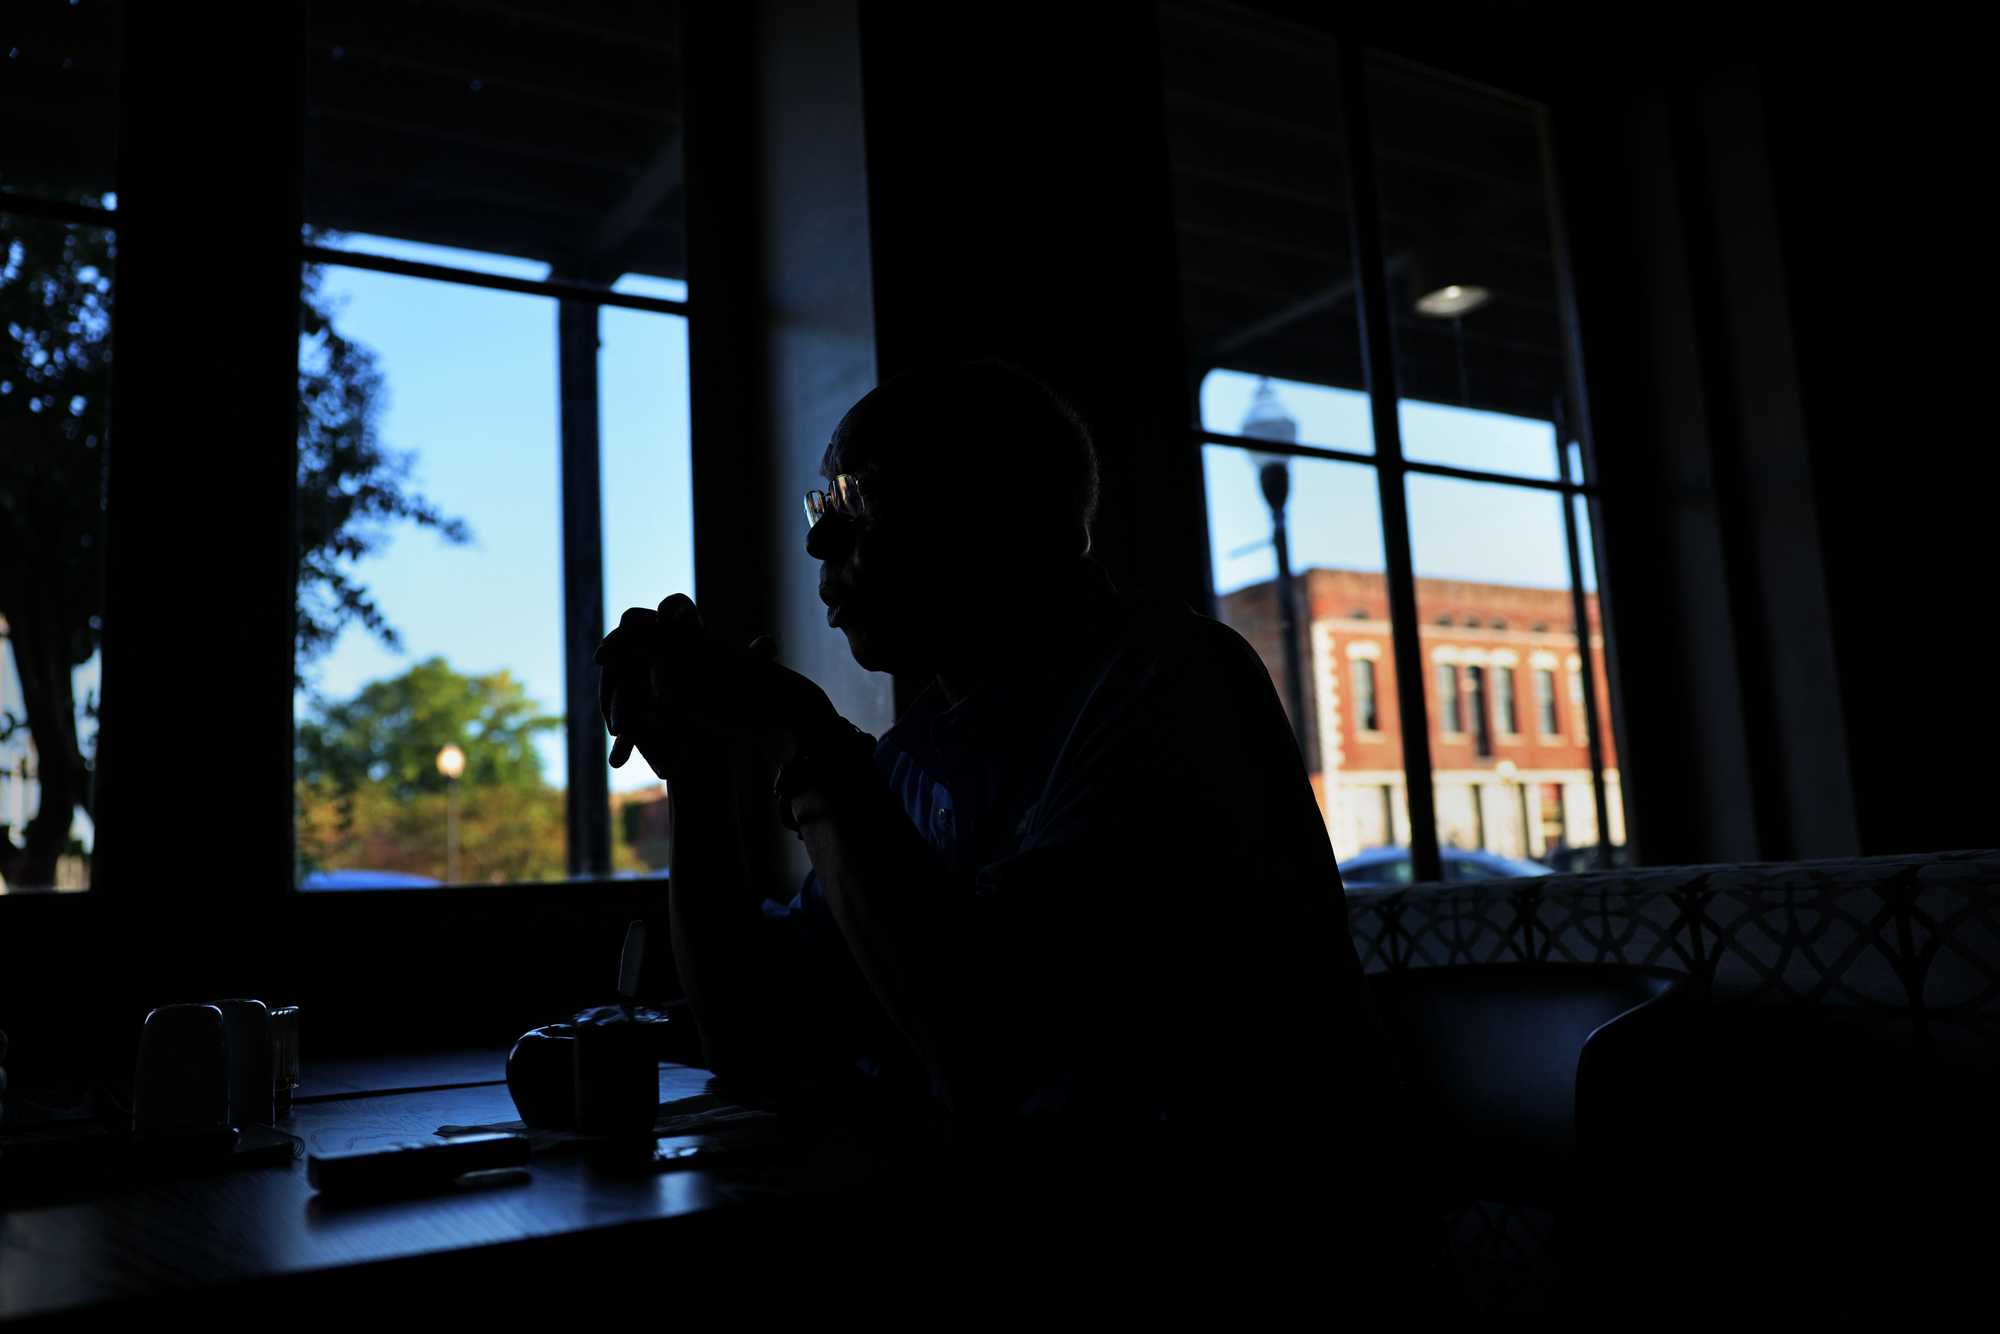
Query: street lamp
[
  {"x": 451, "y": 763},
  {"x": 1268, "y": 420}
]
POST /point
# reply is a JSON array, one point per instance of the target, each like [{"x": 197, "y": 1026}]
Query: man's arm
[
  {"x": 905, "y": 921},
  {"x": 721, "y": 950},
  {"x": 667, "y": 687}
]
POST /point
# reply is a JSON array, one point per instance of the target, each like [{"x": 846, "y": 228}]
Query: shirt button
[{"x": 941, "y": 818}]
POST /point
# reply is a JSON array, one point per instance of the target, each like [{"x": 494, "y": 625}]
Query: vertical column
[
  {"x": 781, "y": 335},
  {"x": 195, "y": 772},
  {"x": 589, "y": 799}
]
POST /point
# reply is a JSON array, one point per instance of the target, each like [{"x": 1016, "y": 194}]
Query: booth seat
[{"x": 1802, "y": 1117}]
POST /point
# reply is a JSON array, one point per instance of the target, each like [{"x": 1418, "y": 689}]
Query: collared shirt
[{"x": 1131, "y": 826}]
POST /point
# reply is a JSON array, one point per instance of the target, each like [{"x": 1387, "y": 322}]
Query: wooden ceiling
[{"x": 548, "y": 131}]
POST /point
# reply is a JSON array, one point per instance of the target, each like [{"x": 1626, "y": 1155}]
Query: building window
[
  {"x": 1545, "y": 702},
  {"x": 1366, "y": 718},
  {"x": 493, "y": 452},
  {"x": 1451, "y": 718},
  {"x": 1503, "y": 702},
  {"x": 1482, "y": 731}
]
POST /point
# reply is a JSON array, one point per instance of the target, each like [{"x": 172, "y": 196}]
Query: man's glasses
[{"x": 843, "y": 497}]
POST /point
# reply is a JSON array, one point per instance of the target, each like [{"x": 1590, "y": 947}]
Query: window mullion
[
  {"x": 588, "y": 805},
  {"x": 1379, "y": 376},
  {"x": 1593, "y": 733}
]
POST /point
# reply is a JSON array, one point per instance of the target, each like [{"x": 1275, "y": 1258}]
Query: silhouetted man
[{"x": 1083, "y": 883}]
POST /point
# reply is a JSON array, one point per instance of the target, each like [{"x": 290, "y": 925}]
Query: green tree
[
  {"x": 55, "y": 366},
  {"x": 370, "y": 795},
  {"x": 505, "y": 834},
  {"x": 391, "y": 731}
]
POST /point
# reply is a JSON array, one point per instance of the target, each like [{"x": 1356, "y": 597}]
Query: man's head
[{"x": 980, "y": 484}]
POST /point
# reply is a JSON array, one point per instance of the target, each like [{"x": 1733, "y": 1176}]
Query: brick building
[{"x": 1504, "y": 689}]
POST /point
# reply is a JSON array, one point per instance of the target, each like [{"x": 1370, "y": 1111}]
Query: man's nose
[{"x": 829, "y": 539}]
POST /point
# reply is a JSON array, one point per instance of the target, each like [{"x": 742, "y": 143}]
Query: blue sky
[{"x": 471, "y": 377}]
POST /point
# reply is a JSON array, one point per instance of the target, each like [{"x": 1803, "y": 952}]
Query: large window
[
  {"x": 1393, "y": 448},
  {"x": 493, "y": 437},
  {"x": 58, "y": 256}
]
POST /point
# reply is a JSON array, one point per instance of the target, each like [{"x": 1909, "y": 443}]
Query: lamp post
[
  {"x": 1274, "y": 475},
  {"x": 1268, "y": 420},
  {"x": 451, "y": 763}
]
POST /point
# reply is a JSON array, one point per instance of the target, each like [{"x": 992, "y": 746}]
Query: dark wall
[{"x": 1872, "y": 153}]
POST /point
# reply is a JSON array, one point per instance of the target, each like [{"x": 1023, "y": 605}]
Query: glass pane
[
  {"x": 648, "y": 525},
  {"x": 55, "y": 375},
  {"x": 429, "y": 712},
  {"x": 1342, "y": 696},
  {"x": 59, "y": 99},
  {"x": 1472, "y": 275},
  {"x": 1261, "y": 210},
  {"x": 1498, "y": 625}
]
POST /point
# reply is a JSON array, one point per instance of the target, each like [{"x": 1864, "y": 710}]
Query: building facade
[{"x": 1503, "y": 686}]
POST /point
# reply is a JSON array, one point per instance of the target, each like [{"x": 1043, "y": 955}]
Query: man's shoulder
[{"x": 1181, "y": 643}]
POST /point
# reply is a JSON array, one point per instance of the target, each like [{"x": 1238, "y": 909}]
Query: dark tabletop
[{"x": 204, "y": 1233}]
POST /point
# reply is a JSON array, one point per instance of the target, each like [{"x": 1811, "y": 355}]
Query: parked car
[
  {"x": 1386, "y": 867},
  {"x": 360, "y": 879},
  {"x": 1586, "y": 858}
]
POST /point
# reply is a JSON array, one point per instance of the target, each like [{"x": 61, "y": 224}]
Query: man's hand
[{"x": 671, "y": 690}]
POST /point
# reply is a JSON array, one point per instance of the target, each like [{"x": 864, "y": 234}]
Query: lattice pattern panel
[{"x": 1907, "y": 946}]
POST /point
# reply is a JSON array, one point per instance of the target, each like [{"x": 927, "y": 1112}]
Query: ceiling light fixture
[{"x": 1453, "y": 300}]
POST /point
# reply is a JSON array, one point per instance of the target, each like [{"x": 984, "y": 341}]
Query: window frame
[
  {"x": 1381, "y": 385},
  {"x": 68, "y": 213},
  {"x": 586, "y": 798}
]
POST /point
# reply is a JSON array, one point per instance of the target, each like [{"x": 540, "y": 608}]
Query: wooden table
[{"x": 258, "y": 1241}]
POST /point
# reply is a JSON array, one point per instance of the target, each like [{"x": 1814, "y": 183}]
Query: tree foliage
[
  {"x": 55, "y": 368},
  {"x": 505, "y": 834},
  {"x": 353, "y": 489},
  {"x": 55, "y": 373},
  {"x": 391, "y": 731},
  {"x": 370, "y": 796}
]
